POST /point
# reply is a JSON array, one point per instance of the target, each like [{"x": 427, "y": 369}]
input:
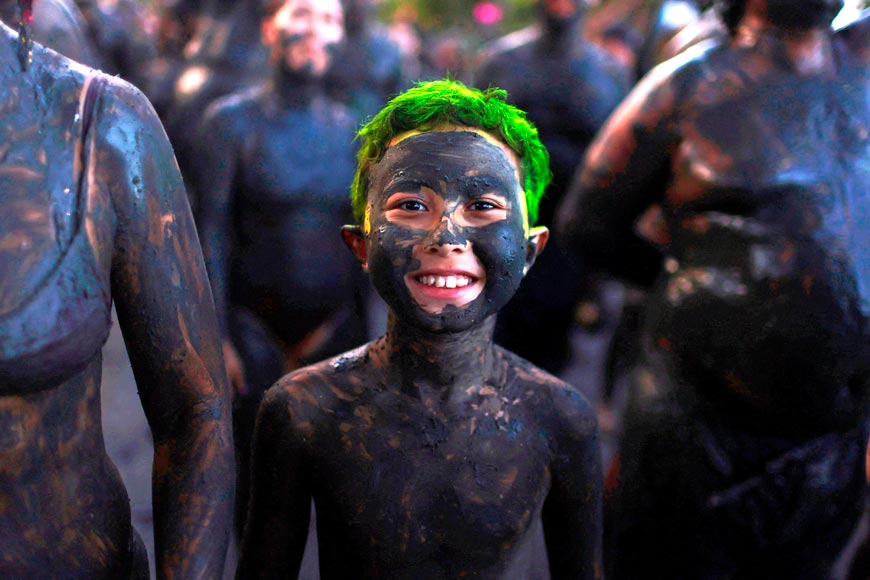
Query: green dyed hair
[{"x": 429, "y": 105}]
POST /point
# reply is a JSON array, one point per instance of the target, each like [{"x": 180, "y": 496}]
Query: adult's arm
[
  {"x": 572, "y": 515},
  {"x": 167, "y": 317},
  {"x": 212, "y": 174},
  {"x": 625, "y": 171},
  {"x": 280, "y": 507},
  {"x": 213, "y": 171}
]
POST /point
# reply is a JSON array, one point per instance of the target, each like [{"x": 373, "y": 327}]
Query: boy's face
[
  {"x": 303, "y": 35},
  {"x": 446, "y": 228}
]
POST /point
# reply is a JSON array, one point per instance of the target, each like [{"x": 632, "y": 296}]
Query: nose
[
  {"x": 309, "y": 25},
  {"x": 445, "y": 239}
]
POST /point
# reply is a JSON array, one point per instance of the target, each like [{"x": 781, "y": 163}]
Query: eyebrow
[
  {"x": 405, "y": 184},
  {"x": 487, "y": 183}
]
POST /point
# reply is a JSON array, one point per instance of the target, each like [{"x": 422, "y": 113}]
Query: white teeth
[{"x": 445, "y": 281}]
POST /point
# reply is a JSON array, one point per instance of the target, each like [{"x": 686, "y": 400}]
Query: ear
[
  {"x": 538, "y": 237},
  {"x": 356, "y": 241}
]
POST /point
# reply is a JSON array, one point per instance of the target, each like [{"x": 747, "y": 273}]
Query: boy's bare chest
[{"x": 415, "y": 485}]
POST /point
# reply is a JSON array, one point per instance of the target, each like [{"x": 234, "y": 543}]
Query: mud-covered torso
[
  {"x": 766, "y": 298},
  {"x": 55, "y": 301},
  {"x": 432, "y": 495},
  {"x": 290, "y": 201},
  {"x": 64, "y": 512}
]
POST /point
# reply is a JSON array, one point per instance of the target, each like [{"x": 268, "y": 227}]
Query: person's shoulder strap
[{"x": 91, "y": 91}]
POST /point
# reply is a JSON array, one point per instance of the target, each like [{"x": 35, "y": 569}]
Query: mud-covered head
[
  {"x": 303, "y": 36},
  {"x": 787, "y": 14},
  {"x": 431, "y": 104},
  {"x": 446, "y": 234},
  {"x": 560, "y": 14}
]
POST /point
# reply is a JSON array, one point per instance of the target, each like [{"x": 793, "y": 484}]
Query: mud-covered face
[
  {"x": 446, "y": 228},
  {"x": 303, "y": 35},
  {"x": 803, "y": 14},
  {"x": 561, "y": 13}
]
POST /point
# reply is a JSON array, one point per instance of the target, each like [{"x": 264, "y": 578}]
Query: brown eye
[
  {"x": 411, "y": 205},
  {"x": 482, "y": 205},
  {"x": 486, "y": 203}
]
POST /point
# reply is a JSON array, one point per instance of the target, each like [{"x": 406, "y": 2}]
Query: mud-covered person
[
  {"x": 742, "y": 455},
  {"x": 431, "y": 452},
  {"x": 93, "y": 214},
  {"x": 273, "y": 166}
]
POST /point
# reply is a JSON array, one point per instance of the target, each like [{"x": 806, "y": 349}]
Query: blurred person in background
[
  {"x": 225, "y": 55},
  {"x": 273, "y": 166},
  {"x": 367, "y": 69},
  {"x": 123, "y": 36},
  {"x": 743, "y": 449}
]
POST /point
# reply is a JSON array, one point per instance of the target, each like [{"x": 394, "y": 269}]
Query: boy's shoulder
[
  {"x": 564, "y": 399},
  {"x": 569, "y": 415},
  {"x": 311, "y": 390}
]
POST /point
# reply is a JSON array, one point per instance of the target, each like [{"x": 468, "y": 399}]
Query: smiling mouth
[{"x": 445, "y": 281}]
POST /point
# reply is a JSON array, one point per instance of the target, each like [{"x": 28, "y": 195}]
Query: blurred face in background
[
  {"x": 303, "y": 35},
  {"x": 803, "y": 14},
  {"x": 561, "y": 13}
]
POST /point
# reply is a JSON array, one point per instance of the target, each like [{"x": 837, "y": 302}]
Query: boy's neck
[{"x": 439, "y": 368}]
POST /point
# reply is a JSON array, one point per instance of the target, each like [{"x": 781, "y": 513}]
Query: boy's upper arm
[
  {"x": 572, "y": 515},
  {"x": 279, "y": 510}
]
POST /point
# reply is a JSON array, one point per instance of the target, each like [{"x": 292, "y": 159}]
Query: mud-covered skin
[
  {"x": 757, "y": 355},
  {"x": 416, "y": 479},
  {"x": 568, "y": 86},
  {"x": 274, "y": 167},
  {"x": 458, "y": 166},
  {"x": 430, "y": 453},
  {"x": 64, "y": 512}
]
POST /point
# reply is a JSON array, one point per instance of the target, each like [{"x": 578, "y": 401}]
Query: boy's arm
[
  {"x": 572, "y": 510},
  {"x": 280, "y": 505}
]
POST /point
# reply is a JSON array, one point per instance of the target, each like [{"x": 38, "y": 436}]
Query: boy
[{"x": 430, "y": 452}]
